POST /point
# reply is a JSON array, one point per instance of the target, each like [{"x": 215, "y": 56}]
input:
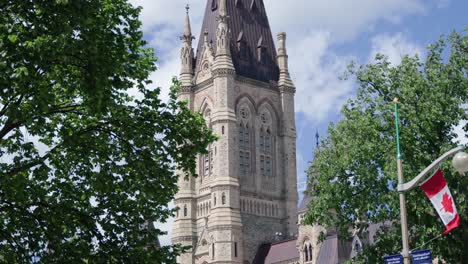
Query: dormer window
[
  {"x": 214, "y": 5},
  {"x": 253, "y": 5},
  {"x": 261, "y": 51},
  {"x": 242, "y": 46}
]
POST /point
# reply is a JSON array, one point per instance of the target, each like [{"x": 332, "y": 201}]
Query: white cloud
[
  {"x": 345, "y": 19},
  {"x": 169, "y": 13},
  {"x": 394, "y": 46},
  {"x": 315, "y": 70},
  {"x": 166, "y": 70}
]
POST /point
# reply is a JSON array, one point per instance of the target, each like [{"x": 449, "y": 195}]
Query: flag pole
[{"x": 401, "y": 180}]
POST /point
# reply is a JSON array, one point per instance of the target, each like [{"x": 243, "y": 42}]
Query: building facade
[{"x": 245, "y": 193}]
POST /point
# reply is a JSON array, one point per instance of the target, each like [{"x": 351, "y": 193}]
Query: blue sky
[{"x": 324, "y": 36}]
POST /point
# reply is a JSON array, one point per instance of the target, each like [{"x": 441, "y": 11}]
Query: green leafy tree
[
  {"x": 354, "y": 175},
  {"x": 83, "y": 165}
]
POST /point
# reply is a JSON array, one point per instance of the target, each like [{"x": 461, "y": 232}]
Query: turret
[
  {"x": 186, "y": 54},
  {"x": 287, "y": 91},
  {"x": 223, "y": 59},
  {"x": 184, "y": 228}
]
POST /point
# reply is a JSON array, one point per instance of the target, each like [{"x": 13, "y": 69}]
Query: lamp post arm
[{"x": 414, "y": 182}]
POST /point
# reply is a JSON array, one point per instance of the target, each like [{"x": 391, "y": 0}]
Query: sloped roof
[
  {"x": 303, "y": 206},
  {"x": 248, "y": 23},
  {"x": 277, "y": 252},
  {"x": 334, "y": 250}
]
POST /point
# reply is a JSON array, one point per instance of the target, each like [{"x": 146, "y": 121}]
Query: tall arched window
[
  {"x": 207, "y": 159},
  {"x": 310, "y": 252},
  {"x": 245, "y": 140},
  {"x": 306, "y": 253},
  {"x": 266, "y": 145},
  {"x": 223, "y": 199},
  {"x": 185, "y": 210}
]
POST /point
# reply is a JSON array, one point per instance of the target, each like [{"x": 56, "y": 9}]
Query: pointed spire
[
  {"x": 187, "y": 28},
  {"x": 285, "y": 78},
  {"x": 186, "y": 53}
]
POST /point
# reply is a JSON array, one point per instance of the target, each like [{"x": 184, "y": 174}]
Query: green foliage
[
  {"x": 83, "y": 165},
  {"x": 354, "y": 172}
]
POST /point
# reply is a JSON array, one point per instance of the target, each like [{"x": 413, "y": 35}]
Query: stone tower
[{"x": 245, "y": 193}]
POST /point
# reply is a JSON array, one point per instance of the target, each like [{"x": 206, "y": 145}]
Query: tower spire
[
  {"x": 187, "y": 28},
  {"x": 186, "y": 53}
]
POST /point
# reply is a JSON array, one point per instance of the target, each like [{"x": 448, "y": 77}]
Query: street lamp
[{"x": 459, "y": 162}]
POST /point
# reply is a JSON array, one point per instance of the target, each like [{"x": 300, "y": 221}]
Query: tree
[
  {"x": 84, "y": 165},
  {"x": 353, "y": 176}
]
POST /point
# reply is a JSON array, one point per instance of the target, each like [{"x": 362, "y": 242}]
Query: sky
[{"x": 323, "y": 37}]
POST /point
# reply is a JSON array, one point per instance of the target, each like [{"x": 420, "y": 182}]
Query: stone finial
[
  {"x": 282, "y": 43},
  {"x": 285, "y": 78},
  {"x": 222, "y": 8}
]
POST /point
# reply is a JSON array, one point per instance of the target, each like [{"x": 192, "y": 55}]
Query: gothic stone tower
[{"x": 245, "y": 192}]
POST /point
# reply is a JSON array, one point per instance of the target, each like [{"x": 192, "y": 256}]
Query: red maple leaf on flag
[{"x": 447, "y": 203}]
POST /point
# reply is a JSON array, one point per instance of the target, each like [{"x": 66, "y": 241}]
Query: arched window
[
  {"x": 310, "y": 252},
  {"x": 214, "y": 5},
  {"x": 266, "y": 145},
  {"x": 306, "y": 253},
  {"x": 185, "y": 210},
  {"x": 262, "y": 138},
  {"x": 241, "y": 134},
  {"x": 245, "y": 141},
  {"x": 223, "y": 199},
  {"x": 268, "y": 141},
  {"x": 214, "y": 199},
  {"x": 207, "y": 159},
  {"x": 212, "y": 250}
]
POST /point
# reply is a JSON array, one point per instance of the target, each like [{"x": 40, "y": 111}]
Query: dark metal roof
[
  {"x": 250, "y": 35},
  {"x": 334, "y": 250},
  {"x": 277, "y": 252}
]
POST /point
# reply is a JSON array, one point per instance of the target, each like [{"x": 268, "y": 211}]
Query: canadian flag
[{"x": 437, "y": 191}]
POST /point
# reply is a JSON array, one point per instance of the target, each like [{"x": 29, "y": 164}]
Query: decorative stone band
[
  {"x": 183, "y": 200},
  {"x": 287, "y": 89},
  {"x": 224, "y": 121},
  {"x": 223, "y": 227},
  {"x": 185, "y": 89},
  {"x": 179, "y": 239},
  {"x": 223, "y": 72},
  {"x": 255, "y": 83},
  {"x": 203, "y": 85},
  {"x": 224, "y": 188}
]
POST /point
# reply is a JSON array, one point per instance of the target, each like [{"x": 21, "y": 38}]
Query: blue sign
[
  {"x": 422, "y": 256},
  {"x": 394, "y": 259}
]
